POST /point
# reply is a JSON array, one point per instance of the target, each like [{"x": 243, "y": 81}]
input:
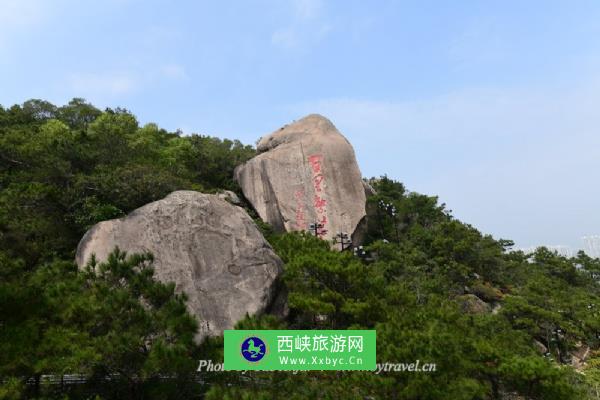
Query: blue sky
[{"x": 492, "y": 105}]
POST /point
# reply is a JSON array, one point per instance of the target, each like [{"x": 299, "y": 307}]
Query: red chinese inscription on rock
[{"x": 319, "y": 202}]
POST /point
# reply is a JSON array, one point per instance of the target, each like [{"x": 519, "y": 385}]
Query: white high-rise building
[
  {"x": 591, "y": 245},
  {"x": 565, "y": 251}
]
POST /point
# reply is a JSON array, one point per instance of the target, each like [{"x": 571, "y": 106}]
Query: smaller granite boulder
[
  {"x": 209, "y": 248},
  {"x": 472, "y": 304}
]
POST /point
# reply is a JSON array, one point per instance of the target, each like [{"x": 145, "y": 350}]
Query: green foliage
[
  {"x": 328, "y": 288},
  {"x": 535, "y": 378},
  {"x": 592, "y": 376},
  {"x": 63, "y": 169},
  {"x": 12, "y": 389},
  {"x": 109, "y": 321},
  {"x": 410, "y": 289}
]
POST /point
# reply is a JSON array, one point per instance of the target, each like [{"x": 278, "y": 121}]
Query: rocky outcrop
[
  {"x": 211, "y": 250},
  {"x": 230, "y": 197},
  {"x": 579, "y": 356},
  {"x": 306, "y": 172},
  {"x": 472, "y": 304},
  {"x": 540, "y": 347},
  {"x": 369, "y": 190}
]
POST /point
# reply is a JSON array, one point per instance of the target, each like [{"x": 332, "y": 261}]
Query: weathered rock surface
[
  {"x": 579, "y": 356},
  {"x": 306, "y": 172},
  {"x": 472, "y": 304},
  {"x": 540, "y": 347},
  {"x": 211, "y": 249},
  {"x": 369, "y": 190},
  {"x": 230, "y": 197}
]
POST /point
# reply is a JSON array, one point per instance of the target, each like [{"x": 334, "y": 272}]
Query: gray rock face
[
  {"x": 369, "y": 190},
  {"x": 306, "y": 173},
  {"x": 230, "y": 197},
  {"x": 539, "y": 346},
  {"x": 211, "y": 250},
  {"x": 472, "y": 304},
  {"x": 579, "y": 356}
]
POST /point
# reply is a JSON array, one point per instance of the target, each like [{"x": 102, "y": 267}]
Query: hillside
[{"x": 497, "y": 324}]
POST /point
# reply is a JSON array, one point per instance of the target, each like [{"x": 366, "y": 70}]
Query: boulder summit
[{"x": 305, "y": 173}]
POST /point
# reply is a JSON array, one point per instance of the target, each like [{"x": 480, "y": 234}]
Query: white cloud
[
  {"x": 17, "y": 17},
  {"x": 307, "y": 9},
  {"x": 520, "y": 163},
  {"x": 16, "y": 13},
  {"x": 285, "y": 38},
  {"x": 174, "y": 71},
  {"x": 307, "y": 25},
  {"x": 159, "y": 36},
  {"x": 93, "y": 84},
  {"x": 481, "y": 42}
]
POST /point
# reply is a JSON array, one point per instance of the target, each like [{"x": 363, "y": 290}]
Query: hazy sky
[{"x": 492, "y": 105}]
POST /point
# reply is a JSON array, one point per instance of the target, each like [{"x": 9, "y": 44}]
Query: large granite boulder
[
  {"x": 306, "y": 172},
  {"x": 211, "y": 249}
]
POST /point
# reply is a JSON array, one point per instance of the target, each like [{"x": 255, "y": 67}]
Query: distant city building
[
  {"x": 565, "y": 251},
  {"x": 591, "y": 245}
]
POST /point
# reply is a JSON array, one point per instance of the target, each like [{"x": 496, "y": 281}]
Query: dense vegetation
[{"x": 497, "y": 324}]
